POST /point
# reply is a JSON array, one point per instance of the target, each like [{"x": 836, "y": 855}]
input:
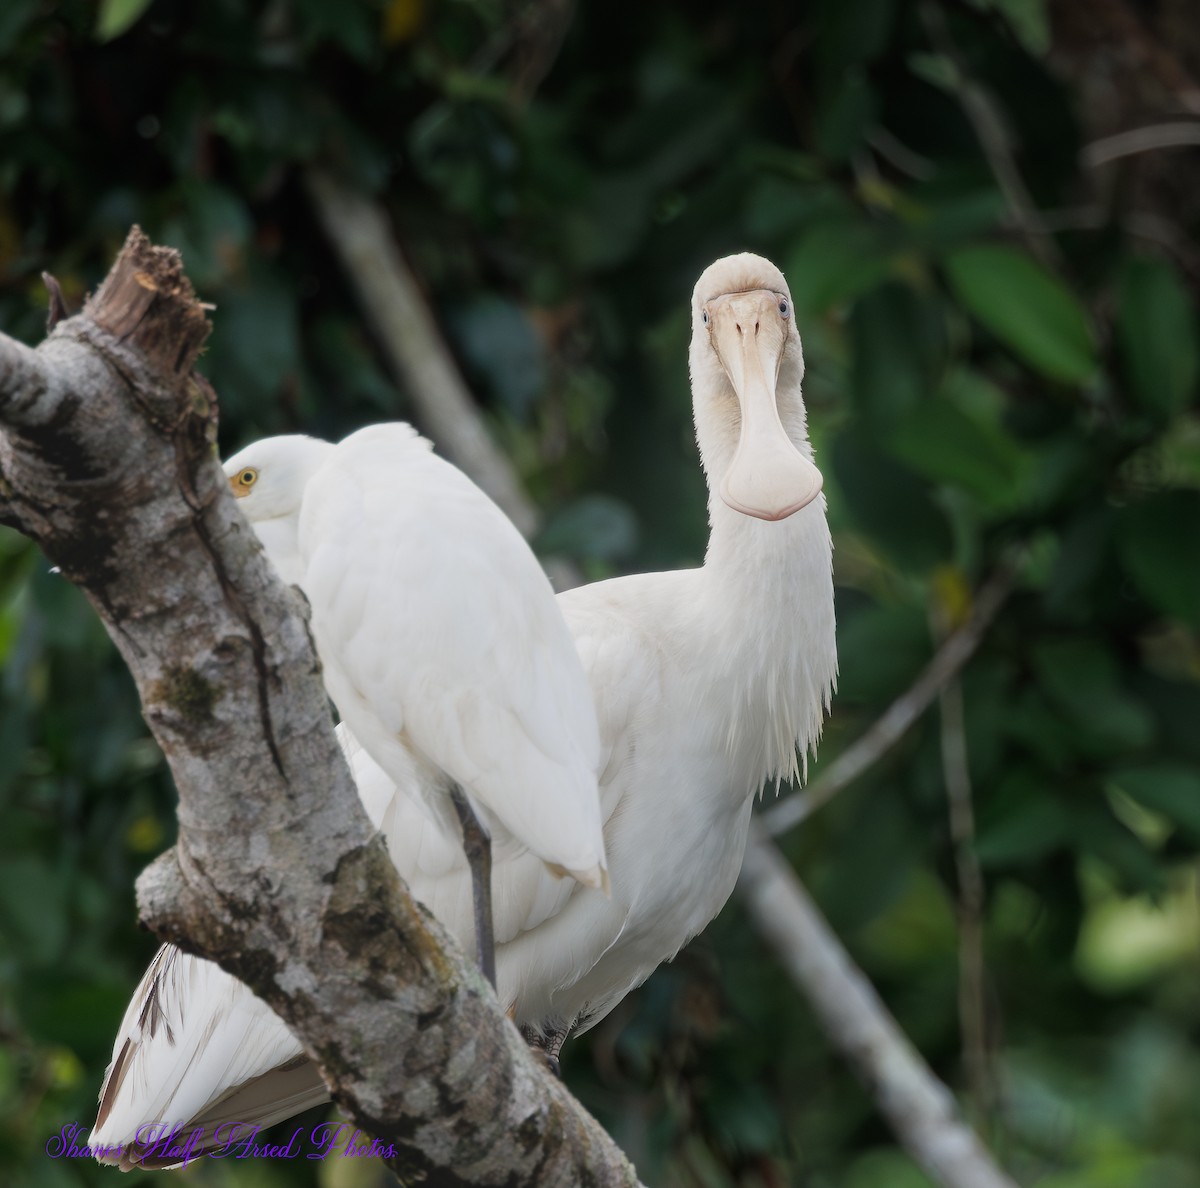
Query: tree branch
[
  {"x": 393, "y": 303},
  {"x": 109, "y": 457},
  {"x": 972, "y": 1007},
  {"x": 1180, "y": 134},
  {"x": 899, "y": 717},
  {"x": 920, "y": 1109},
  {"x": 23, "y": 384},
  {"x": 987, "y": 122}
]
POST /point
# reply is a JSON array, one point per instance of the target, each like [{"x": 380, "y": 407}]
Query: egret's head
[
  {"x": 268, "y": 477},
  {"x": 747, "y": 364}
]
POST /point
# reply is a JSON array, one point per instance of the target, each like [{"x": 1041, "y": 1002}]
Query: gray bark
[{"x": 108, "y": 462}]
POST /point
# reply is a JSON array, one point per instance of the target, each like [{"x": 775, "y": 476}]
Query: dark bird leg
[
  {"x": 478, "y": 848},
  {"x": 547, "y": 1045}
]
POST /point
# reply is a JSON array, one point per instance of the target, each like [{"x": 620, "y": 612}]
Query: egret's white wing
[
  {"x": 198, "y": 1049},
  {"x": 439, "y": 634},
  {"x": 431, "y": 861}
]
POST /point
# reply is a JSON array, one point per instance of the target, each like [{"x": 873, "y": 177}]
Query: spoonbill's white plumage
[{"x": 707, "y": 683}]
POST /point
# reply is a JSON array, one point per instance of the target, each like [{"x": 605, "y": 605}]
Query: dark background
[{"x": 1002, "y": 342}]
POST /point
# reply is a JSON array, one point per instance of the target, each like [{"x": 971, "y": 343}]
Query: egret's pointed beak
[{"x": 769, "y": 478}]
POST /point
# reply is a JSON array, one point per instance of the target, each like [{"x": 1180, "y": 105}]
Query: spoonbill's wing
[
  {"x": 438, "y": 631},
  {"x": 624, "y": 666}
]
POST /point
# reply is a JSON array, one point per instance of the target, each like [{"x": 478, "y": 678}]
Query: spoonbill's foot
[{"x": 547, "y": 1045}]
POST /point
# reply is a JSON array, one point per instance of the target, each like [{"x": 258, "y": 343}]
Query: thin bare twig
[
  {"x": 898, "y": 718},
  {"x": 1141, "y": 224},
  {"x": 971, "y": 973},
  {"x": 408, "y": 331},
  {"x": 897, "y": 153},
  {"x": 985, "y": 118},
  {"x": 920, "y": 1109},
  {"x": 392, "y": 299},
  {"x": 1181, "y": 134}
]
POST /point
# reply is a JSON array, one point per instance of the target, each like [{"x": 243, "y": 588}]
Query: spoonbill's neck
[
  {"x": 767, "y": 603},
  {"x": 741, "y": 548}
]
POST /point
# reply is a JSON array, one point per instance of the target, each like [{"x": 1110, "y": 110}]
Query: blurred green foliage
[{"x": 971, "y": 389}]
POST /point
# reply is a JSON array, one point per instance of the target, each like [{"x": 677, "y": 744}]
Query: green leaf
[
  {"x": 14, "y": 16},
  {"x": 33, "y": 906},
  {"x": 1039, "y": 729},
  {"x": 948, "y": 211},
  {"x": 917, "y": 927},
  {"x": 1026, "y": 308},
  {"x": 940, "y": 440},
  {"x": 891, "y": 503},
  {"x": 117, "y": 16},
  {"x": 62, "y": 1007},
  {"x": 256, "y": 341},
  {"x": 502, "y": 349},
  {"x": 1157, "y": 540},
  {"x": 1029, "y": 22},
  {"x": 847, "y": 117},
  {"x": 1170, "y": 788},
  {"x": 837, "y": 258},
  {"x": 852, "y": 33},
  {"x": 885, "y": 1165},
  {"x": 879, "y": 650},
  {"x": 1081, "y": 679},
  {"x": 1098, "y": 832},
  {"x": 1158, "y": 334},
  {"x": 899, "y": 343},
  {"x": 211, "y": 231},
  {"x": 1023, "y": 822},
  {"x": 1085, "y": 545}
]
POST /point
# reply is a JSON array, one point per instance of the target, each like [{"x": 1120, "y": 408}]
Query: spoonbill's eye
[
  {"x": 784, "y": 309},
  {"x": 248, "y": 477},
  {"x": 704, "y": 316}
]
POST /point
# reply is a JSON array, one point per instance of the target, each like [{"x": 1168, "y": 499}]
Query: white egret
[
  {"x": 440, "y": 642},
  {"x": 707, "y": 682}
]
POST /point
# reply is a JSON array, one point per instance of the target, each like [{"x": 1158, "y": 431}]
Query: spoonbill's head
[
  {"x": 268, "y": 477},
  {"x": 747, "y": 364}
]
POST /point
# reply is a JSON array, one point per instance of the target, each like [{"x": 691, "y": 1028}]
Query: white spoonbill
[
  {"x": 708, "y": 683},
  {"x": 440, "y": 642}
]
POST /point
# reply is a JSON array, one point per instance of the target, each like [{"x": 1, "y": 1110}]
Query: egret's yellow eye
[{"x": 243, "y": 481}]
